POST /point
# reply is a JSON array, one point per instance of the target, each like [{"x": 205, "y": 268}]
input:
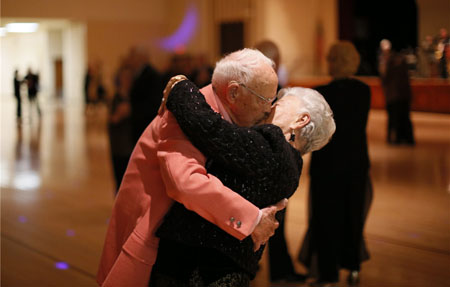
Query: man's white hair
[
  {"x": 321, "y": 127},
  {"x": 242, "y": 66}
]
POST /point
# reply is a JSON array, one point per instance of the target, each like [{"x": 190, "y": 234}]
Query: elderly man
[{"x": 165, "y": 167}]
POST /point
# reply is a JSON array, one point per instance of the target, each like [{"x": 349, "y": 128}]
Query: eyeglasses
[{"x": 266, "y": 100}]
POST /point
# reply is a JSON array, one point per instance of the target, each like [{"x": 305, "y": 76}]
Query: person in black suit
[
  {"x": 33, "y": 85},
  {"x": 17, "y": 84},
  {"x": 340, "y": 186},
  {"x": 262, "y": 163},
  {"x": 145, "y": 93}
]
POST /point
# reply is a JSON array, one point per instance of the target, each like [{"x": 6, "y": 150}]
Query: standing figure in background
[
  {"x": 17, "y": 84},
  {"x": 87, "y": 83},
  {"x": 447, "y": 57},
  {"x": 340, "y": 187},
  {"x": 94, "y": 89},
  {"x": 145, "y": 93},
  {"x": 202, "y": 73},
  {"x": 398, "y": 94},
  {"x": 119, "y": 123},
  {"x": 33, "y": 86},
  {"x": 443, "y": 43},
  {"x": 427, "y": 59},
  {"x": 179, "y": 64},
  {"x": 280, "y": 262}
]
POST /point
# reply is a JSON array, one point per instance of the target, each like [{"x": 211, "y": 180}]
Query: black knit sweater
[{"x": 258, "y": 163}]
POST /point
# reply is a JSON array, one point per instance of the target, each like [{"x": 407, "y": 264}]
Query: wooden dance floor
[{"x": 57, "y": 193}]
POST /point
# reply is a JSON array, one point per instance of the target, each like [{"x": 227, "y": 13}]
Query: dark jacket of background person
[
  {"x": 145, "y": 98},
  {"x": 340, "y": 188},
  {"x": 396, "y": 79},
  {"x": 120, "y": 139},
  {"x": 17, "y": 84},
  {"x": 32, "y": 84},
  {"x": 119, "y": 122},
  {"x": 202, "y": 73},
  {"x": 32, "y": 81},
  {"x": 261, "y": 166},
  {"x": 398, "y": 96}
]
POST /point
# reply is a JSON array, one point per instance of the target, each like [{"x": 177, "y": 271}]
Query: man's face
[{"x": 249, "y": 108}]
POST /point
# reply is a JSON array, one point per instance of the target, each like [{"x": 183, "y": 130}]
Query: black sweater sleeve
[{"x": 237, "y": 148}]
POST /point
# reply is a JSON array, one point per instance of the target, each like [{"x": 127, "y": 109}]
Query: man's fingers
[
  {"x": 266, "y": 227},
  {"x": 276, "y": 223},
  {"x": 280, "y": 205}
]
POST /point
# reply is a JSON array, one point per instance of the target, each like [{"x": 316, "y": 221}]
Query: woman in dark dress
[
  {"x": 340, "y": 187},
  {"x": 259, "y": 163}
]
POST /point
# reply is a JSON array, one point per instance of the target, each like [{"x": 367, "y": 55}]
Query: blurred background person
[
  {"x": 271, "y": 50},
  {"x": 447, "y": 58},
  {"x": 280, "y": 262},
  {"x": 17, "y": 84},
  {"x": 145, "y": 92},
  {"x": 442, "y": 44},
  {"x": 119, "y": 122},
  {"x": 202, "y": 73},
  {"x": 427, "y": 60},
  {"x": 179, "y": 64},
  {"x": 398, "y": 94},
  {"x": 32, "y": 81},
  {"x": 411, "y": 60},
  {"x": 340, "y": 186},
  {"x": 94, "y": 88}
]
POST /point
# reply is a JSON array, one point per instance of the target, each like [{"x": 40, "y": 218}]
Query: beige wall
[
  {"x": 303, "y": 30},
  {"x": 112, "y": 26},
  {"x": 292, "y": 24},
  {"x": 120, "y": 10}
]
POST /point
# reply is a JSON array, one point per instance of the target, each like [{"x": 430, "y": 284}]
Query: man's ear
[
  {"x": 301, "y": 121},
  {"x": 232, "y": 92}
]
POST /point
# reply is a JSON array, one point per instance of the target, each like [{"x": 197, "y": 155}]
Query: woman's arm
[{"x": 236, "y": 147}]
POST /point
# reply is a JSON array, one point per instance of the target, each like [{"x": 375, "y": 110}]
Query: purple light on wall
[
  {"x": 61, "y": 265},
  {"x": 70, "y": 232},
  {"x": 184, "y": 32},
  {"x": 414, "y": 235},
  {"x": 22, "y": 219}
]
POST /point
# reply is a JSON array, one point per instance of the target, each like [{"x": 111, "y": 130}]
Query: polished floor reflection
[{"x": 57, "y": 193}]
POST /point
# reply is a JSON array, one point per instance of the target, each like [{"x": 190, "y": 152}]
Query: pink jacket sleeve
[{"x": 187, "y": 181}]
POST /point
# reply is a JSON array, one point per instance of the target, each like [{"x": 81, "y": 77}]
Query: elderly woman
[
  {"x": 340, "y": 187},
  {"x": 262, "y": 163}
]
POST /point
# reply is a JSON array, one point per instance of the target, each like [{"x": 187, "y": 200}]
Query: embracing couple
[{"x": 208, "y": 181}]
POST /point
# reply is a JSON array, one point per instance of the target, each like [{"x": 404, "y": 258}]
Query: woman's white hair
[
  {"x": 242, "y": 65},
  {"x": 317, "y": 133}
]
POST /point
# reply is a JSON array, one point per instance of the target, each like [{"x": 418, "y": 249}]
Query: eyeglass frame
[{"x": 266, "y": 100}]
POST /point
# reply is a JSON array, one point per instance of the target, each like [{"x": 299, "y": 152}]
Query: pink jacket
[{"x": 164, "y": 167}]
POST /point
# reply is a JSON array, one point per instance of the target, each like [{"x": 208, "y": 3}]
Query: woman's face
[{"x": 285, "y": 112}]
